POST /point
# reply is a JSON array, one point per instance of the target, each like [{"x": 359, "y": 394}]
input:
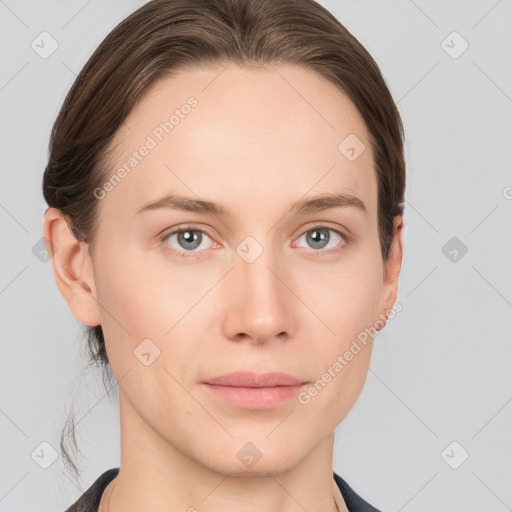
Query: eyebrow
[{"x": 313, "y": 204}]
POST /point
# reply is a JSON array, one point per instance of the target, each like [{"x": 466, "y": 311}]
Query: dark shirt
[{"x": 90, "y": 499}]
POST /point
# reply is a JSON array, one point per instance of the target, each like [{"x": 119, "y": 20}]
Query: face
[{"x": 244, "y": 275}]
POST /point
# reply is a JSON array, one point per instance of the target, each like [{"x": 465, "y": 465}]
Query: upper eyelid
[
  {"x": 324, "y": 226},
  {"x": 185, "y": 228}
]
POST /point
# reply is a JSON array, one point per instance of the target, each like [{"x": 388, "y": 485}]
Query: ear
[
  {"x": 72, "y": 268},
  {"x": 392, "y": 268}
]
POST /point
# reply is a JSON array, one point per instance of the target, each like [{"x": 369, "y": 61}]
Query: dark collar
[
  {"x": 354, "y": 502},
  {"x": 90, "y": 499}
]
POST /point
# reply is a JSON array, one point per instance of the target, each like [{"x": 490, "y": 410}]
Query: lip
[
  {"x": 249, "y": 390},
  {"x": 255, "y": 380}
]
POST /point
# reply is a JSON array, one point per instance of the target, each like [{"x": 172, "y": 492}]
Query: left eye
[{"x": 318, "y": 237}]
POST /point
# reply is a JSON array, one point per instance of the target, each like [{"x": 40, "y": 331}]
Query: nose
[{"x": 259, "y": 303}]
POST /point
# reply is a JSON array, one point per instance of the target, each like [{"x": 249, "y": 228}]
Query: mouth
[{"x": 247, "y": 390}]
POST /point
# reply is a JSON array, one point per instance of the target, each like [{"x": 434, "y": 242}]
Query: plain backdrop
[{"x": 431, "y": 430}]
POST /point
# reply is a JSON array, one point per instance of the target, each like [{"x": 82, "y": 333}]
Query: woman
[{"x": 225, "y": 187}]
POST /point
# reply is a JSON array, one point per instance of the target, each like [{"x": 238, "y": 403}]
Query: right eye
[{"x": 187, "y": 240}]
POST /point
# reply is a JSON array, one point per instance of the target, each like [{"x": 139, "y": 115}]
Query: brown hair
[{"x": 165, "y": 36}]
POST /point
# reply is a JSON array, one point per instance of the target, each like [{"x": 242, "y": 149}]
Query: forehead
[{"x": 241, "y": 135}]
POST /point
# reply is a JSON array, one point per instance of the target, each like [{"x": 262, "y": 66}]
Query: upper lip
[{"x": 255, "y": 380}]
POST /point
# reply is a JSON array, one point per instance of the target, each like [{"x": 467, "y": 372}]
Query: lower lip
[{"x": 254, "y": 398}]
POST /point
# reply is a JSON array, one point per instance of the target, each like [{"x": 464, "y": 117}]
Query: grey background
[{"x": 442, "y": 368}]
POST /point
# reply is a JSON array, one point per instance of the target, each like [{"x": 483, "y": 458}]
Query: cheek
[
  {"x": 133, "y": 289},
  {"x": 141, "y": 301},
  {"x": 345, "y": 295}
]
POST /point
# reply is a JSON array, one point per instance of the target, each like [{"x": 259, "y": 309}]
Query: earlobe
[{"x": 72, "y": 268}]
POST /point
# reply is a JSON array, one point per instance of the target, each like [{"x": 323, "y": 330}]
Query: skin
[{"x": 254, "y": 145}]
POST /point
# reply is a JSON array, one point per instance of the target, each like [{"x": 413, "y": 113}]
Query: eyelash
[{"x": 312, "y": 252}]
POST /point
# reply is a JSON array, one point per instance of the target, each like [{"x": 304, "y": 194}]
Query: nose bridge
[{"x": 261, "y": 300}]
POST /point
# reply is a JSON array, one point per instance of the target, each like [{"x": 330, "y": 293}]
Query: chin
[{"x": 252, "y": 460}]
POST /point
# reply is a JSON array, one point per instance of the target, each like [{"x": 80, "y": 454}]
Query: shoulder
[
  {"x": 90, "y": 499},
  {"x": 354, "y": 502}
]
